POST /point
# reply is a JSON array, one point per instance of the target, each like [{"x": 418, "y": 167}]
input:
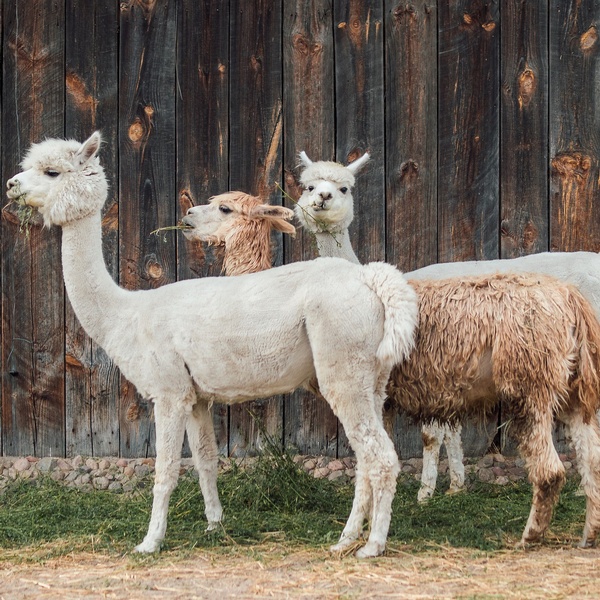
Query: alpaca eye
[
  {"x": 343, "y": 190},
  {"x": 225, "y": 210},
  {"x": 310, "y": 188},
  {"x": 51, "y": 173}
]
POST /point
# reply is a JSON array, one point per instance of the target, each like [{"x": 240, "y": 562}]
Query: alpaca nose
[
  {"x": 325, "y": 196},
  {"x": 11, "y": 183}
]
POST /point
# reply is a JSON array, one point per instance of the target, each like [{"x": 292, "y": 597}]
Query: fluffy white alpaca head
[
  {"x": 62, "y": 179},
  {"x": 326, "y": 203}
]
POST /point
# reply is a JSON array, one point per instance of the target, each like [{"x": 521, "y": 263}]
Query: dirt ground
[{"x": 277, "y": 572}]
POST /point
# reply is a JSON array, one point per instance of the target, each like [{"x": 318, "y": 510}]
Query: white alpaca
[
  {"x": 231, "y": 339},
  {"x": 530, "y": 340},
  {"x": 326, "y": 208},
  {"x": 242, "y": 224}
]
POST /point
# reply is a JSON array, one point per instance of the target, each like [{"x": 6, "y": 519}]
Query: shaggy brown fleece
[{"x": 527, "y": 339}]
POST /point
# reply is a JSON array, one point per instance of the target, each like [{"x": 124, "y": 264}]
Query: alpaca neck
[
  {"x": 96, "y": 299},
  {"x": 248, "y": 249},
  {"x": 336, "y": 244}
]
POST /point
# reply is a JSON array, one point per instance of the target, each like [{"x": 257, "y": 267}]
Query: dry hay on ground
[{"x": 274, "y": 571}]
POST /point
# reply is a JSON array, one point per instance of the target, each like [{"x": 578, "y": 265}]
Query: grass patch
[{"x": 274, "y": 500}]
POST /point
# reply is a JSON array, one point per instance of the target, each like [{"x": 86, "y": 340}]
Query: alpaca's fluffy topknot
[{"x": 327, "y": 171}]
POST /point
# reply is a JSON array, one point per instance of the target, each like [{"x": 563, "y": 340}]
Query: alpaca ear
[
  {"x": 358, "y": 164},
  {"x": 89, "y": 148},
  {"x": 283, "y": 226},
  {"x": 269, "y": 211},
  {"x": 304, "y": 159},
  {"x": 277, "y": 217}
]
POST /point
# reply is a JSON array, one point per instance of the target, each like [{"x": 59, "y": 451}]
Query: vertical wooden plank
[
  {"x": 359, "y": 52},
  {"x": 411, "y": 133},
  {"x": 411, "y": 153},
  {"x": 309, "y": 124},
  {"x": 468, "y": 145},
  {"x": 574, "y": 125},
  {"x": 255, "y": 157},
  {"x": 468, "y": 131},
  {"x": 33, "y": 413},
  {"x": 147, "y": 168},
  {"x": 524, "y": 128},
  {"x": 524, "y": 137},
  {"x": 202, "y": 133},
  {"x": 92, "y": 380}
]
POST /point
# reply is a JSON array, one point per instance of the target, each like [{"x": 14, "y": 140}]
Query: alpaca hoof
[
  {"x": 587, "y": 543},
  {"x": 213, "y": 525},
  {"x": 424, "y": 496},
  {"x": 370, "y": 550},
  {"x": 147, "y": 547},
  {"x": 342, "y": 545},
  {"x": 455, "y": 490}
]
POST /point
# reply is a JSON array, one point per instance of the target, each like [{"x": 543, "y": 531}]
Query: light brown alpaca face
[{"x": 228, "y": 212}]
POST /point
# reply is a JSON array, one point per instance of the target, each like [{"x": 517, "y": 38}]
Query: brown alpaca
[
  {"x": 528, "y": 340},
  {"x": 243, "y": 224}
]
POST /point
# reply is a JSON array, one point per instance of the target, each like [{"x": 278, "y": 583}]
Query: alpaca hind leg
[
  {"x": 546, "y": 473},
  {"x": 586, "y": 442},
  {"x": 432, "y": 434},
  {"x": 201, "y": 437},
  {"x": 170, "y": 427},
  {"x": 454, "y": 449}
]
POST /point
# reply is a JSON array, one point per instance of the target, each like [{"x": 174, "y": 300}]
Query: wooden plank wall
[{"x": 480, "y": 116}]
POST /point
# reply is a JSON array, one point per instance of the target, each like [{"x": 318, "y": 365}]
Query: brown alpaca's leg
[{"x": 546, "y": 472}]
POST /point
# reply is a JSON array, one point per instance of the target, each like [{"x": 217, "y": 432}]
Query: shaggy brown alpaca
[{"x": 528, "y": 340}]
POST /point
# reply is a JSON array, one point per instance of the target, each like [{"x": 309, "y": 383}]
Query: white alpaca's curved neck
[
  {"x": 336, "y": 244},
  {"x": 95, "y": 297}
]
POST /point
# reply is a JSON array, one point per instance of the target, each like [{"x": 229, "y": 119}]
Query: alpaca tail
[
  {"x": 401, "y": 306},
  {"x": 586, "y": 383}
]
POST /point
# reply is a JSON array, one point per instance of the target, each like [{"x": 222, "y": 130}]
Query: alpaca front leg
[
  {"x": 454, "y": 449},
  {"x": 433, "y": 435},
  {"x": 203, "y": 444},
  {"x": 361, "y": 507},
  {"x": 170, "y": 427}
]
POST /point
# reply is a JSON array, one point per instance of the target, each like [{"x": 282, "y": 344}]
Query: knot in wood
[
  {"x": 489, "y": 26},
  {"x": 136, "y": 131},
  {"x": 409, "y": 168},
  {"x": 588, "y": 39},
  {"x": 222, "y": 68},
  {"x": 527, "y": 86},
  {"x": 153, "y": 269},
  {"x": 255, "y": 63},
  {"x": 572, "y": 165},
  {"x": 300, "y": 44},
  {"x": 404, "y": 9}
]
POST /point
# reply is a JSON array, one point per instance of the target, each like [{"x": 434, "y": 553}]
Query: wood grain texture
[
  {"x": 574, "y": 125},
  {"x": 524, "y": 128},
  {"x": 359, "y": 78},
  {"x": 411, "y": 133},
  {"x": 202, "y": 136},
  {"x": 468, "y": 130},
  {"x": 33, "y": 414},
  {"x": 256, "y": 125},
  {"x": 147, "y": 167},
  {"x": 308, "y": 70},
  {"x": 91, "y": 378}
]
